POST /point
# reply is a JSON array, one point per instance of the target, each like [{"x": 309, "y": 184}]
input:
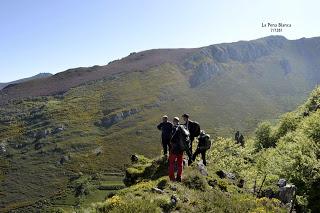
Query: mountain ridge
[{"x": 244, "y": 51}]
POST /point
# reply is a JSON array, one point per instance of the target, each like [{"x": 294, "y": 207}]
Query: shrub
[
  {"x": 288, "y": 122},
  {"x": 163, "y": 183},
  {"x": 311, "y": 127},
  {"x": 117, "y": 205},
  {"x": 264, "y": 137},
  {"x": 195, "y": 180}
]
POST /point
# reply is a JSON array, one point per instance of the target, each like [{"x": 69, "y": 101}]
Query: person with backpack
[
  {"x": 241, "y": 140},
  {"x": 236, "y": 136},
  {"x": 204, "y": 144},
  {"x": 166, "y": 130},
  {"x": 177, "y": 146},
  {"x": 194, "y": 129}
]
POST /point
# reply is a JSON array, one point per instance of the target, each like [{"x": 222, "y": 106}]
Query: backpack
[
  {"x": 196, "y": 129},
  {"x": 206, "y": 144},
  {"x": 184, "y": 137}
]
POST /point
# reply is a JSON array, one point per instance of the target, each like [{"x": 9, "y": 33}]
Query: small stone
[
  {"x": 174, "y": 200},
  {"x": 157, "y": 190},
  {"x": 231, "y": 176},
  {"x": 173, "y": 188}
]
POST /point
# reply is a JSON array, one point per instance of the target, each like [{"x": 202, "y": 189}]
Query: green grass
[{"x": 193, "y": 194}]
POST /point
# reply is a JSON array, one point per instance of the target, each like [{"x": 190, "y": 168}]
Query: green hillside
[
  {"x": 293, "y": 155},
  {"x": 91, "y": 128}
]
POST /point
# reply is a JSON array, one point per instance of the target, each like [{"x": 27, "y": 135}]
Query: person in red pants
[{"x": 176, "y": 150}]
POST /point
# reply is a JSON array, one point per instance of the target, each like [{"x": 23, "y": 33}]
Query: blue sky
[{"x": 54, "y": 35}]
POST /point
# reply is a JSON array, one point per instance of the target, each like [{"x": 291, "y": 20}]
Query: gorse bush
[
  {"x": 264, "y": 136},
  {"x": 288, "y": 122},
  {"x": 311, "y": 127},
  {"x": 294, "y": 151},
  {"x": 194, "y": 180}
]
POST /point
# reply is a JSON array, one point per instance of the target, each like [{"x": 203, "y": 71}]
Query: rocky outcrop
[
  {"x": 285, "y": 65},
  {"x": 203, "y": 72},
  {"x": 117, "y": 117},
  {"x": 243, "y": 51}
]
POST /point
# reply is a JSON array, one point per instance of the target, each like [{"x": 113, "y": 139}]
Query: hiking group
[{"x": 178, "y": 138}]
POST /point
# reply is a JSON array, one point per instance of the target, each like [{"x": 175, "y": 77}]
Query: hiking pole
[
  {"x": 255, "y": 186},
  {"x": 293, "y": 201},
  {"x": 265, "y": 176}
]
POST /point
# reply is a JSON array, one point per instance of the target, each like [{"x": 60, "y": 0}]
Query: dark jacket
[
  {"x": 176, "y": 142},
  {"x": 166, "y": 129},
  {"x": 192, "y": 127}
]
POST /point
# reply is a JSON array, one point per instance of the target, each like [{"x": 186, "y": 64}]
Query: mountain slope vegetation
[
  {"x": 293, "y": 155},
  {"x": 88, "y": 120}
]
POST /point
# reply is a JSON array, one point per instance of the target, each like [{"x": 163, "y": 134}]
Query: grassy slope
[{"x": 295, "y": 157}]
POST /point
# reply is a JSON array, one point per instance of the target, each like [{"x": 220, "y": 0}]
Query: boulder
[
  {"x": 202, "y": 169},
  {"x": 134, "y": 158}
]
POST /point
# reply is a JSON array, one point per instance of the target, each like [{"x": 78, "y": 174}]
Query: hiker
[
  {"x": 204, "y": 143},
  {"x": 194, "y": 129},
  {"x": 241, "y": 140},
  {"x": 236, "y": 136},
  {"x": 166, "y": 130},
  {"x": 177, "y": 145},
  {"x": 305, "y": 114}
]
